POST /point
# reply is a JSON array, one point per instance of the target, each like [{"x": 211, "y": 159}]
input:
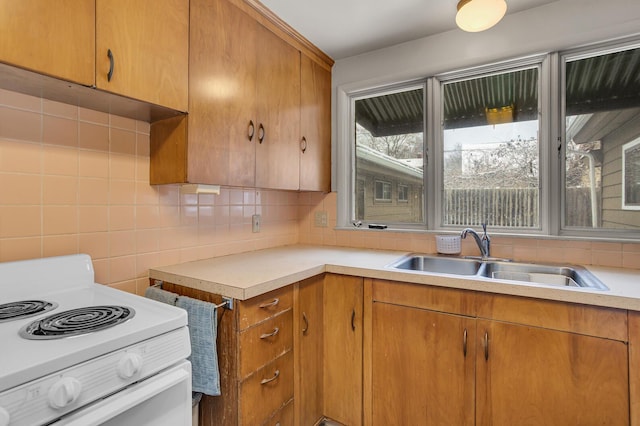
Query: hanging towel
[
  {"x": 203, "y": 325},
  {"x": 164, "y": 296}
]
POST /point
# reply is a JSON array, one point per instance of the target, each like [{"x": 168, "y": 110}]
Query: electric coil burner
[
  {"x": 76, "y": 352},
  {"x": 24, "y": 308},
  {"x": 76, "y": 321}
]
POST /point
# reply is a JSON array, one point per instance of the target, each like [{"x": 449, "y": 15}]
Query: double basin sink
[{"x": 547, "y": 274}]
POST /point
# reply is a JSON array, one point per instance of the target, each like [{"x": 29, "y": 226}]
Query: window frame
[
  {"x": 375, "y": 191},
  {"x": 551, "y": 142},
  {"x": 406, "y": 192}
]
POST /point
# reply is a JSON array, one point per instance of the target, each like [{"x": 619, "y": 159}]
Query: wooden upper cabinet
[
  {"x": 222, "y": 69},
  {"x": 142, "y": 50},
  {"x": 315, "y": 126},
  {"x": 278, "y": 97},
  {"x": 52, "y": 38}
]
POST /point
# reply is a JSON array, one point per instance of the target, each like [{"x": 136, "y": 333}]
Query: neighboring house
[{"x": 388, "y": 189}]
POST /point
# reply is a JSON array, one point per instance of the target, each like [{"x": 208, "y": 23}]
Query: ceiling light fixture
[{"x": 479, "y": 15}]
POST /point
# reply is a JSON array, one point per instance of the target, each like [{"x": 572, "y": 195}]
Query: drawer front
[
  {"x": 266, "y": 391},
  {"x": 282, "y": 417},
  {"x": 264, "y": 342},
  {"x": 265, "y": 306}
]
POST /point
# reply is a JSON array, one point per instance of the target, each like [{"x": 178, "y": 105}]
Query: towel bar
[{"x": 227, "y": 302}]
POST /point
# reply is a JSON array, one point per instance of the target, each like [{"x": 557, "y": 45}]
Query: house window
[
  {"x": 490, "y": 150},
  {"x": 602, "y": 151},
  {"x": 631, "y": 175},
  {"x": 403, "y": 193},
  {"x": 383, "y": 191},
  {"x": 541, "y": 145},
  {"x": 388, "y": 144}
]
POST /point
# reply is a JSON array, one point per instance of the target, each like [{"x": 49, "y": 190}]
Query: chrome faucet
[{"x": 484, "y": 242}]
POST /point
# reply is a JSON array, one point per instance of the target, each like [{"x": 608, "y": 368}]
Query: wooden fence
[{"x": 509, "y": 207}]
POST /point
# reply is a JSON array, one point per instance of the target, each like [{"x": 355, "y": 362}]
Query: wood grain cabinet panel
[
  {"x": 244, "y": 122},
  {"x": 265, "y": 306},
  {"x": 149, "y": 45},
  {"x": 308, "y": 340},
  {"x": 343, "y": 336},
  {"x": 315, "y": 126},
  {"x": 514, "y": 361},
  {"x": 52, "y": 38},
  {"x": 264, "y": 342}
]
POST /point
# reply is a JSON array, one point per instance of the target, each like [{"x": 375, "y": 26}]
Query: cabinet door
[
  {"x": 309, "y": 353},
  {"x": 222, "y": 110},
  {"x": 343, "y": 306},
  {"x": 53, "y": 38},
  {"x": 278, "y": 98},
  {"x": 149, "y": 45},
  {"x": 315, "y": 126},
  {"x": 422, "y": 367},
  {"x": 634, "y": 366},
  {"x": 535, "y": 376}
]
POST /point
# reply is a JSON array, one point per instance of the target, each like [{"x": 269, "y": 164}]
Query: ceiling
[{"x": 343, "y": 28}]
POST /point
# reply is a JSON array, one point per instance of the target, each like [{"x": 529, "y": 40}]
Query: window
[
  {"x": 383, "y": 191},
  {"x": 389, "y": 147},
  {"x": 631, "y": 175},
  {"x": 602, "y": 155},
  {"x": 403, "y": 193},
  {"x": 543, "y": 145},
  {"x": 491, "y": 155}
]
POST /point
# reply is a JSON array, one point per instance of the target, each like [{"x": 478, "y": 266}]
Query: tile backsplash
[{"x": 73, "y": 180}]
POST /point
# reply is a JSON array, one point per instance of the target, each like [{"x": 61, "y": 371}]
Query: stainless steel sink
[
  {"x": 438, "y": 265},
  {"x": 547, "y": 274},
  {"x": 557, "y": 275}
]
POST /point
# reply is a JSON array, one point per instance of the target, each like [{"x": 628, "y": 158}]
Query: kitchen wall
[{"x": 75, "y": 180}]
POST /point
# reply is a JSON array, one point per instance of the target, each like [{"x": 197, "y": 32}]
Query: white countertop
[{"x": 246, "y": 275}]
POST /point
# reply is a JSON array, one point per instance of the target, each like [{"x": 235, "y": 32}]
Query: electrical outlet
[
  {"x": 321, "y": 219},
  {"x": 255, "y": 223}
]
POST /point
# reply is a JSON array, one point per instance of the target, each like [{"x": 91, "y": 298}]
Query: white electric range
[{"x": 75, "y": 352}]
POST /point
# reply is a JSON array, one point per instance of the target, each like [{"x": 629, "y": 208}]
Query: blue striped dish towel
[
  {"x": 164, "y": 296},
  {"x": 203, "y": 326}
]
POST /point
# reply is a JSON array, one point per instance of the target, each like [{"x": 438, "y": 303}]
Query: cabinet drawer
[
  {"x": 282, "y": 417},
  {"x": 265, "y": 306},
  {"x": 264, "y": 342},
  {"x": 266, "y": 391}
]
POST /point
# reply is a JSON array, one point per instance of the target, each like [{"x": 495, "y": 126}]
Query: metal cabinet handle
[
  {"x": 275, "y": 331},
  {"x": 111, "y": 64},
  {"x": 303, "y": 144},
  {"x": 306, "y": 323},
  {"x": 486, "y": 345},
  {"x": 274, "y": 302},
  {"x": 261, "y": 133},
  {"x": 464, "y": 343},
  {"x": 251, "y": 130},
  {"x": 353, "y": 320},
  {"x": 270, "y": 379}
]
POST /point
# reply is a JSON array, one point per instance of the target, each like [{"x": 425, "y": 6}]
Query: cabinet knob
[
  {"x": 306, "y": 323},
  {"x": 303, "y": 144},
  {"x": 261, "y": 133},
  {"x": 266, "y": 305},
  {"x": 485, "y": 343},
  {"x": 111, "y": 64},
  {"x": 353, "y": 320},
  {"x": 464, "y": 343}
]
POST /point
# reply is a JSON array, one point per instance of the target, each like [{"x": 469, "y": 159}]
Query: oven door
[{"x": 161, "y": 400}]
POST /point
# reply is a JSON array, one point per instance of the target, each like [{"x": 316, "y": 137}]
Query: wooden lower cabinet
[
  {"x": 343, "y": 334},
  {"x": 256, "y": 360},
  {"x": 308, "y": 344},
  {"x": 421, "y": 372},
  {"x": 507, "y": 361}
]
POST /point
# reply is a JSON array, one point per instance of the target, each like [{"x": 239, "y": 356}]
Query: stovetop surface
[{"x": 24, "y": 360}]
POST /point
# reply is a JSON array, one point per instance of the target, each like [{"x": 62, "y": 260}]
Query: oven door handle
[{"x": 123, "y": 401}]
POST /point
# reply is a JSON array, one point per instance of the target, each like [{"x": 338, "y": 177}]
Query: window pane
[
  {"x": 389, "y": 150},
  {"x": 602, "y": 107},
  {"x": 490, "y": 151}
]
